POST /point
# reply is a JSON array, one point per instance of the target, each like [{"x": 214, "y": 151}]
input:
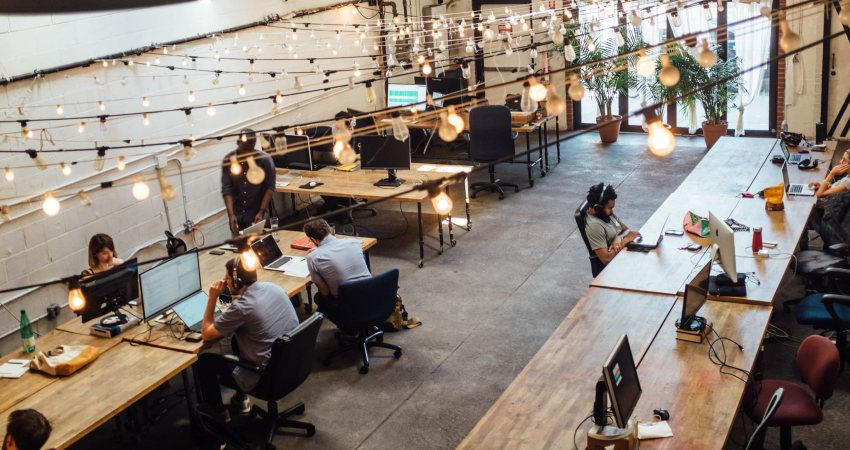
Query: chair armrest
[
  {"x": 829, "y": 301},
  {"x": 839, "y": 249},
  {"x": 243, "y": 363},
  {"x": 836, "y": 273}
]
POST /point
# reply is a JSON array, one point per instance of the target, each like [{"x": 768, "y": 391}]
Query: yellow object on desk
[{"x": 347, "y": 167}]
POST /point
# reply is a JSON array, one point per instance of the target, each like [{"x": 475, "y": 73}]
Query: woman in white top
[
  {"x": 102, "y": 256},
  {"x": 830, "y": 186}
]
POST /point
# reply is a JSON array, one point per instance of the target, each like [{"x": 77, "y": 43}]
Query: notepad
[
  {"x": 302, "y": 243},
  {"x": 15, "y": 368}
]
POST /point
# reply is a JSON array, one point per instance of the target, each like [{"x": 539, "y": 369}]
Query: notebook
[{"x": 303, "y": 243}]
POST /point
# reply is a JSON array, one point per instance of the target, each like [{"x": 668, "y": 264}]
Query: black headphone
[
  {"x": 234, "y": 275},
  {"x": 598, "y": 207}
]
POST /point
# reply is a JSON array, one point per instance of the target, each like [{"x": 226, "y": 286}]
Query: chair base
[
  {"x": 370, "y": 337},
  {"x": 274, "y": 420},
  {"x": 495, "y": 187}
]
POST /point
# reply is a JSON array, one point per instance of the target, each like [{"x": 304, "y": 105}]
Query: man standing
[
  {"x": 246, "y": 202},
  {"x": 333, "y": 262},
  {"x": 27, "y": 429},
  {"x": 605, "y": 232},
  {"x": 260, "y": 313}
]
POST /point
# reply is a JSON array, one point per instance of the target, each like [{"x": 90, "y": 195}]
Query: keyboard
[
  {"x": 795, "y": 158},
  {"x": 796, "y": 188},
  {"x": 280, "y": 262}
]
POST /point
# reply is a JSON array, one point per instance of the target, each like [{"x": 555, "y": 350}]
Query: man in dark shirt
[{"x": 246, "y": 202}]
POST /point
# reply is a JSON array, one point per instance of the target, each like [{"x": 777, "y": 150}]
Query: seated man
[
  {"x": 333, "y": 262},
  {"x": 605, "y": 232},
  {"x": 27, "y": 429},
  {"x": 259, "y": 314}
]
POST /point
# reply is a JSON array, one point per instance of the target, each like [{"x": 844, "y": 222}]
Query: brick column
[{"x": 780, "y": 85}]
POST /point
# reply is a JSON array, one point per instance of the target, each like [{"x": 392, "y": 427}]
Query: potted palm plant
[
  {"x": 703, "y": 85},
  {"x": 609, "y": 78}
]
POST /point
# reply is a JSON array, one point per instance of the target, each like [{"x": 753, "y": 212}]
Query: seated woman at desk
[
  {"x": 605, "y": 232},
  {"x": 830, "y": 186},
  {"x": 102, "y": 256}
]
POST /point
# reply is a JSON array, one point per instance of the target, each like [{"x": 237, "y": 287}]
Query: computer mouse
[
  {"x": 662, "y": 413},
  {"x": 312, "y": 184}
]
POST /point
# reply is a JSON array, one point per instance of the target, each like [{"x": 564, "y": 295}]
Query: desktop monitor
[
  {"x": 293, "y": 152},
  {"x": 406, "y": 94},
  {"x": 441, "y": 86},
  {"x": 321, "y": 145},
  {"x": 384, "y": 153},
  {"x": 169, "y": 282},
  {"x": 622, "y": 382},
  {"x": 731, "y": 283},
  {"x": 109, "y": 291},
  {"x": 695, "y": 296}
]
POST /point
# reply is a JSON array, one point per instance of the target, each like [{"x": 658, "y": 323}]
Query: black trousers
[
  {"x": 215, "y": 370},
  {"x": 328, "y": 306}
]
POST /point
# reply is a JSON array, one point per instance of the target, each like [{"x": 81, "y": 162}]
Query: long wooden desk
[
  {"x": 729, "y": 167},
  {"x": 78, "y": 404},
  {"x": 678, "y": 376},
  {"x": 548, "y": 399},
  {"x": 360, "y": 184}
]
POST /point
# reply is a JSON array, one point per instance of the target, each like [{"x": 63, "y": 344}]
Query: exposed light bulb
[
  {"x": 489, "y": 34},
  {"x": 447, "y": 131},
  {"x": 255, "y": 174},
  {"x": 441, "y": 202},
  {"x": 121, "y": 164},
  {"x": 790, "y": 41},
  {"x": 576, "y": 90},
  {"x": 191, "y": 96},
  {"x": 675, "y": 19},
  {"x": 65, "y": 168},
  {"x": 140, "y": 189},
  {"x": 101, "y": 106},
  {"x": 60, "y": 110},
  {"x": 660, "y": 140},
  {"x": 669, "y": 74},
  {"x": 40, "y": 163},
  {"x": 400, "y": 130},
  {"x": 10, "y": 175},
  {"x": 235, "y": 167},
  {"x": 536, "y": 91},
  {"x": 85, "y": 200},
  {"x": 299, "y": 131},
  {"x": 844, "y": 16},
  {"x": 145, "y": 102},
  {"x": 166, "y": 191},
  {"x": 706, "y": 58},
  {"x": 189, "y": 152},
  {"x": 145, "y": 119},
  {"x": 76, "y": 300},
  {"x": 645, "y": 65},
  {"x": 241, "y": 90},
  {"x": 100, "y": 159},
  {"x": 248, "y": 258},
  {"x": 4, "y": 213},
  {"x": 278, "y": 98},
  {"x": 51, "y": 206},
  {"x": 210, "y": 109},
  {"x": 426, "y": 68},
  {"x": 81, "y": 128},
  {"x": 356, "y": 72},
  {"x": 554, "y": 103},
  {"x": 455, "y": 119},
  {"x": 297, "y": 86}
]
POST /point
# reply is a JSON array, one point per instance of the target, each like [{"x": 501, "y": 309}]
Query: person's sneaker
[{"x": 240, "y": 403}]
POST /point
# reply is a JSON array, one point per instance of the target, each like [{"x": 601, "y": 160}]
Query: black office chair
[
  {"x": 289, "y": 366},
  {"x": 596, "y": 265},
  {"x": 490, "y": 138},
  {"x": 756, "y": 441},
  {"x": 830, "y": 310},
  {"x": 364, "y": 305}
]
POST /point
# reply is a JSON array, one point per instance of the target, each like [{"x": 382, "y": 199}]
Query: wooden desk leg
[
  {"x": 558, "y": 137},
  {"x": 308, "y": 308},
  {"x": 452, "y": 241},
  {"x": 421, "y": 236},
  {"x": 528, "y": 158}
]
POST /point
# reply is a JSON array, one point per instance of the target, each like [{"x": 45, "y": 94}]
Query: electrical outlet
[
  {"x": 161, "y": 161},
  {"x": 188, "y": 226},
  {"x": 52, "y": 311}
]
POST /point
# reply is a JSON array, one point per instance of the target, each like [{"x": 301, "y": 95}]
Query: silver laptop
[
  {"x": 191, "y": 311},
  {"x": 796, "y": 188},
  {"x": 649, "y": 241},
  {"x": 270, "y": 255},
  {"x": 256, "y": 228},
  {"x": 792, "y": 159}
]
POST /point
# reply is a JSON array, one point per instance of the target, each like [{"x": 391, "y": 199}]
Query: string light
[
  {"x": 455, "y": 120},
  {"x": 645, "y": 65},
  {"x": 554, "y": 103},
  {"x": 248, "y": 258},
  {"x": 790, "y": 41},
  {"x": 707, "y": 58},
  {"x": 669, "y": 74},
  {"x": 255, "y": 174},
  {"x": 370, "y": 94},
  {"x": 85, "y": 200},
  {"x": 241, "y": 90},
  {"x": 50, "y": 206},
  {"x": 426, "y": 69},
  {"x": 400, "y": 130},
  {"x": 121, "y": 164},
  {"x": 660, "y": 139},
  {"x": 37, "y": 159},
  {"x": 145, "y": 102},
  {"x": 145, "y": 119},
  {"x": 210, "y": 109},
  {"x": 76, "y": 300},
  {"x": 10, "y": 175},
  {"x": 100, "y": 159},
  {"x": 235, "y": 167},
  {"x": 278, "y": 98},
  {"x": 536, "y": 91},
  {"x": 189, "y": 151},
  {"x": 4, "y": 213},
  {"x": 447, "y": 131},
  {"x": 166, "y": 191},
  {"x": 844, "y": 15},
  {"x": 65, "y": 168},
  {"x": 191, "y": 96},
  {"x": 297, "y": 85},
  {"x": 101, "y": 106},
  {"x": 26, "y": 133},
  {"x": 576, "y": 90},
  {"x": 60, "y": 110},
  {"x": 140, "y": 189}
]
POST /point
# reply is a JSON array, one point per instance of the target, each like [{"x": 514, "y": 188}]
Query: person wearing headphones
[
  {"x": 259, "y": 314},
  {"x": 605, "y": 232}
]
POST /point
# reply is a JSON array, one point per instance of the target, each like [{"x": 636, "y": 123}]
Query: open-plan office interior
[{"x": 424, "y": 224}]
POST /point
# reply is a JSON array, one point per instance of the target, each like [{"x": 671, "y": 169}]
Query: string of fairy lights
[{"x": 450, "y": 124}]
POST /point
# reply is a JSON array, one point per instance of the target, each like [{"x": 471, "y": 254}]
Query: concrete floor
[{"x": 487, "y": 304}]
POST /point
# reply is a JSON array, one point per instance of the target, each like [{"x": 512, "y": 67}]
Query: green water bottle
[{"x": 27, "y": 336}]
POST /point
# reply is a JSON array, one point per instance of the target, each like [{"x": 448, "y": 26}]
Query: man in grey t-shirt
[
  {"x": 605, "y": 232},
  {"x": 260, "y": 313},
  {"x": 333, "y": 262}
]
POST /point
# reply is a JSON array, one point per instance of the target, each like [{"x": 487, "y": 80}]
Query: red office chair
[{"x": 817, "y": 361}]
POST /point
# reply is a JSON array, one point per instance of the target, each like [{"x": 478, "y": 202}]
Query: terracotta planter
[
  {"x": 712, "y": 132},
  {"x": 609, "y": 132}
]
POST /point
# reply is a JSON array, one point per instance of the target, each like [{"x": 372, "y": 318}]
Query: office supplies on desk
[
  {"x": 796, "y": 188},
  {"x": 14, "y": 368},
  {"x": 311, "y": 184},
  {"x": 649, "y": 241},
  {"x": 347, "y": 167},
  {"x": 302, "y": 243},
  {"x": 109, "y": 331}
]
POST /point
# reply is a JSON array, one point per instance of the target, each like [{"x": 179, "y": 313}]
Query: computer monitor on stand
[
  {"x": 384, "y": 152},
  {"x": 406, "y": 94},
  {"x": 109, "y": 291},
  {"x": 620, "y": 382},
  {"x": 695, "y": 296},
  {"x": 731, "y": 283}
]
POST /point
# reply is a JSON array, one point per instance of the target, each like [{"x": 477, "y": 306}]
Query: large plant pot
[
  {"x": 609, "y": 132},
  {"x": 712, "y": 132}
]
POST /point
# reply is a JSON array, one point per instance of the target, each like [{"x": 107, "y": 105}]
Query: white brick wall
[{"x": 34, "y": 247}]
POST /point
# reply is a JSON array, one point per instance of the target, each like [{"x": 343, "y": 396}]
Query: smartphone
[
  {"x": 693, "y": 248},
  {"x": 216, "y": 252},
  {"x": 674, "y": 233}
]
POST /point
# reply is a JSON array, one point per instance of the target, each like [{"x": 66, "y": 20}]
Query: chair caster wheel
[
  {"x": 326, "y": 362},
  {"x": 397, "y": 354},
  {"x": 421, "y": 264},
  {"x": 454, "y": 242},
  {"x": 311, "y": 431},
  {"x": 300, "y": 410},
  {"x": 364, "y": 370},
  {"x": 502, "y": 197}
]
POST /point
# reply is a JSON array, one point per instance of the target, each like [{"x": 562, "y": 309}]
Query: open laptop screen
[{"x": 267, "y": 250}]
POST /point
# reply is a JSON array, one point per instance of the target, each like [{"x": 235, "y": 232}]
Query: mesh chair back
[
  {"x": 818, "y": 361},
  {"x": 490, "y": 133},
  {"x": 291, "y": 361},
  {"x": 369, "y": 301},
  {"x": 596, "y": 265}
]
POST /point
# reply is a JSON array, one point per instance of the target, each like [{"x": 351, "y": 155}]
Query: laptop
[
  {"x": 792, "y": 159},
  {"x": 649, "y": 241},
  {"x": 191, "y": 311},
  {"x": 796, "y": 188},
  {"x": 272, "y": 258},
  {"x": 256, "y": 228}
]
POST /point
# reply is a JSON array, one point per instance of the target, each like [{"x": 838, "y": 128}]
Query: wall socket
[
  {"x": 52, "y": 311},
  {"x": 188, "y": 226}
]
